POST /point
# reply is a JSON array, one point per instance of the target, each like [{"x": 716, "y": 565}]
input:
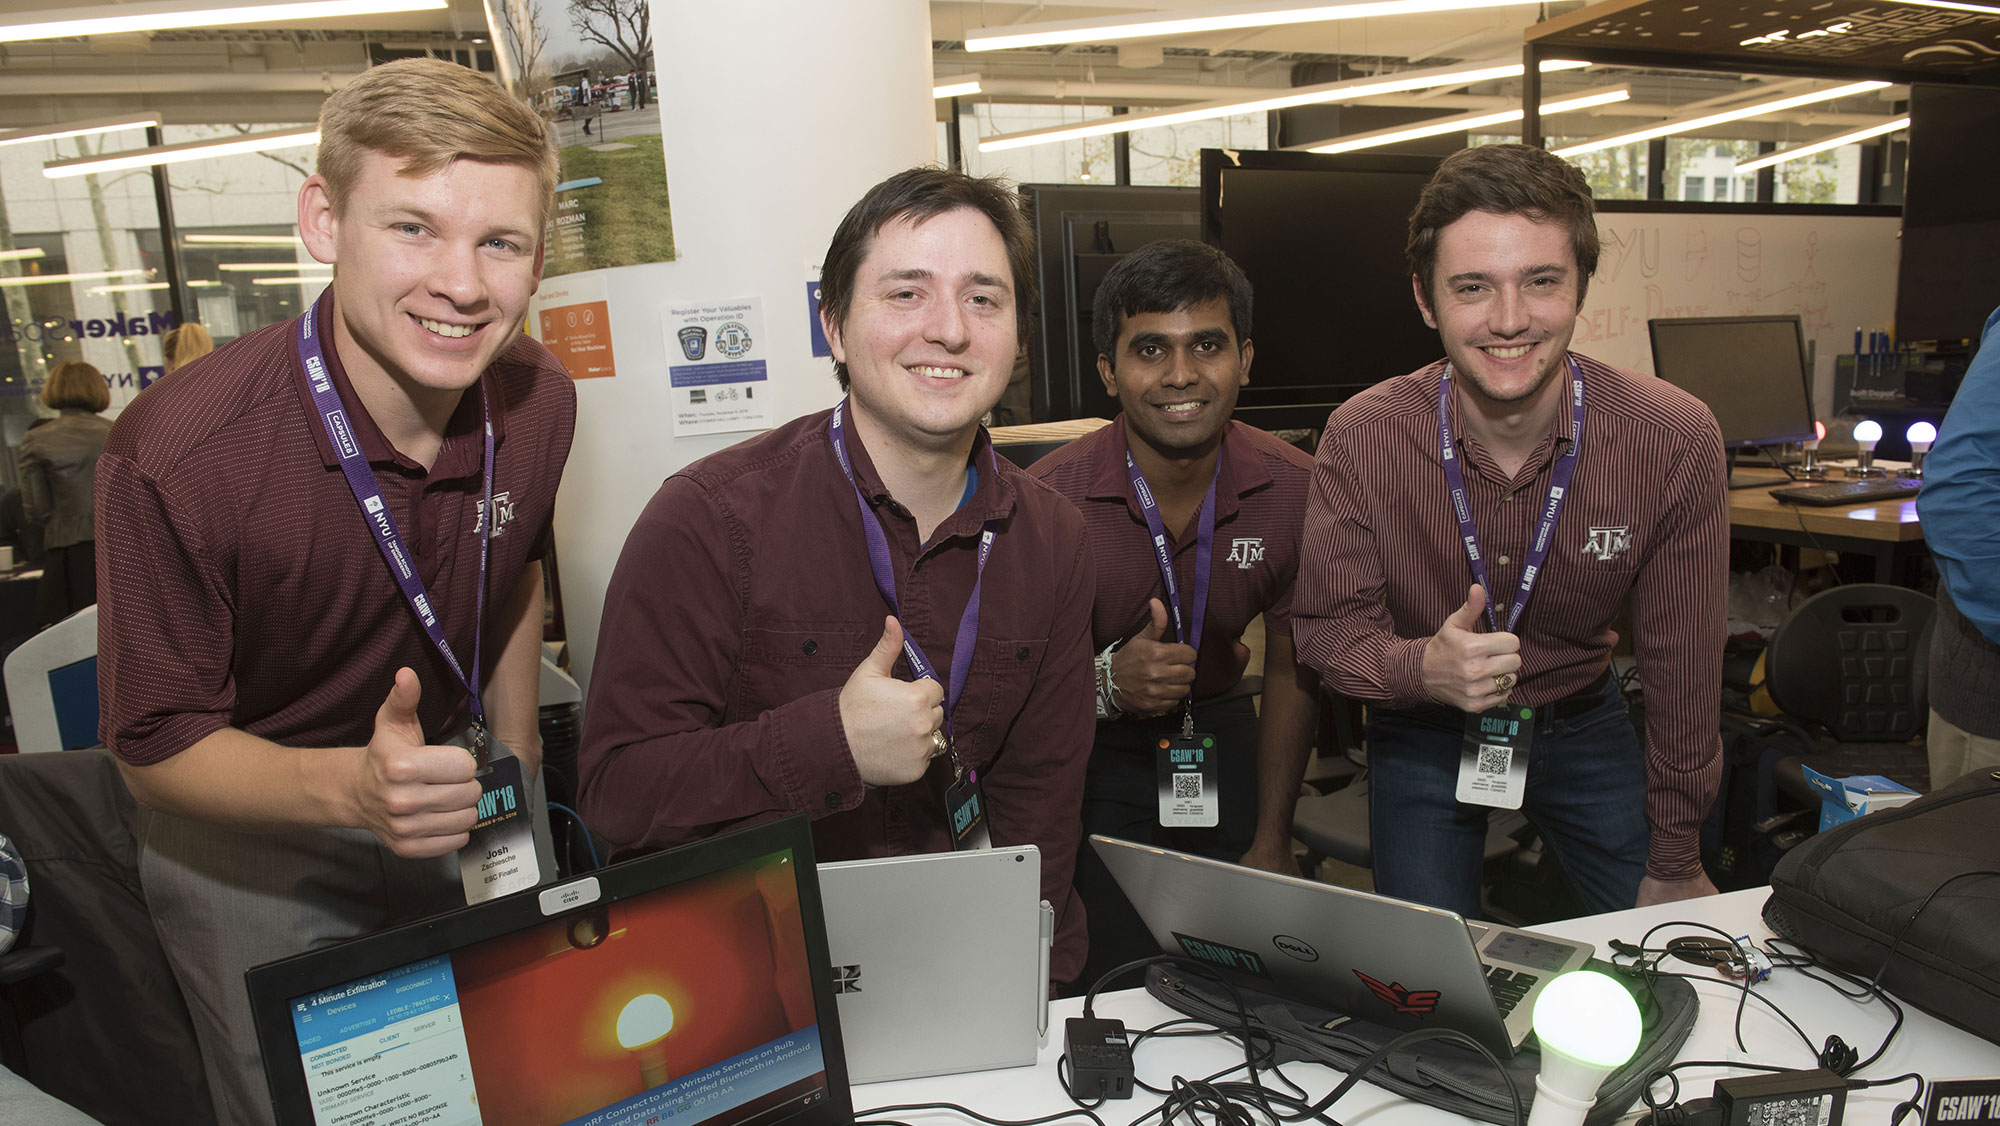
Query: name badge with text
[{"x": 1493, "y": 758}]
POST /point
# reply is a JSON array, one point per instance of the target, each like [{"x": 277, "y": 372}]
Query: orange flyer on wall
[{"x": 580, "y": 336}]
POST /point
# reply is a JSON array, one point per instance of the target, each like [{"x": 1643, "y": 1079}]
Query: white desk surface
[{"x": 1925, "y": 1044}]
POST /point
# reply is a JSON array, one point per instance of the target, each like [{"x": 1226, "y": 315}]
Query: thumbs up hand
[
  {"x": 1152, "y": 676},
  {"x": 417, "y": 798},
  {"x": 889, "y": 721},
  {"x": 1464, "y": 669}
]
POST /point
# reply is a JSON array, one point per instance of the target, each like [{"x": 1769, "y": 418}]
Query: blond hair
[
  {"x": 184, "y": 344},
  {"x": 76, "y": 384},
  {"x": 428, "y": 113}
]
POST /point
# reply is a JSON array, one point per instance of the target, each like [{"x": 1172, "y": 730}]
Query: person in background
[
  {"x": 1172, "y": 326},
  {"x": 58, "y": 476},
  {"x": 185, "y": 343},
  {"x": 1960, "y": 510},
  {"x": 1442, "y": 500}
]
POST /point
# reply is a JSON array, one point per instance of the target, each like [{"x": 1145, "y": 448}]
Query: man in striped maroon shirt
[
  {"x": 1172, "y": 327},
  {"x": 1429, "y": 481}
]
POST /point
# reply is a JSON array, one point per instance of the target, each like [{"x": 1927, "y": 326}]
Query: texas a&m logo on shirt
[
  {"x": 503, "y": 503},
  {"x": 1245, "y": 551},
  {"x": 1608, "y": 543}
]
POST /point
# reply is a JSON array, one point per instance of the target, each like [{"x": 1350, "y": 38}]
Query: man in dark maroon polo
[
  {"x": 268, "y": 687},
  {"x": 1475, "y": 526},
  {"x": 1172, "y": 322},
  {"x": 864, "y": 615}
]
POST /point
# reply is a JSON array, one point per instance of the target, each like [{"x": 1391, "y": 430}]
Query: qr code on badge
[
  {"x": 1187, "y": 785},
  {"x": 1494, "y": 760}
]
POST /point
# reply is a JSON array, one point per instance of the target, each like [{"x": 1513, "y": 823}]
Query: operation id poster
[{"x": 717, "y": 367}]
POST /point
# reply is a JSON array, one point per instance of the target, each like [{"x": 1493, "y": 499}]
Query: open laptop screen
[{"x": 678, "y": 987}]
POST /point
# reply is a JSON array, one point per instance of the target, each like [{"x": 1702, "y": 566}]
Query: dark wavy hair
[{"x": 1505, "y": 180}]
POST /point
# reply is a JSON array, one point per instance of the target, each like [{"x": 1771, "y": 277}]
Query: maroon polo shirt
[
  {"x": 744, "y": 600},
  {"x": 1647, "y": 515},
  {"x": 238, "y": 585},
  {"x": 1260, "y": 499}
]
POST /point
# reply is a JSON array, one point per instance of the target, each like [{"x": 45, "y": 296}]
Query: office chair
[{"x": 1855, "y": 659}]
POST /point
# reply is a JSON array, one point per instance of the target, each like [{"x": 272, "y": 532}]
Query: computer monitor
[
  {"x": 52, "y": 686},
  {"x": 1751, "y": 371}
]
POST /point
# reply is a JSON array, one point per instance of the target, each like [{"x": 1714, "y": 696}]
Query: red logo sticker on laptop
[{"x": 1419, "y": 1003}]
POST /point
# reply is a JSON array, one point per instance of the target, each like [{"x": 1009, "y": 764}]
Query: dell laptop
[
  {"x": 1383, "y": 960},
  {"x": 688, "y": 986},
  {"x": 940, "y": 962}
]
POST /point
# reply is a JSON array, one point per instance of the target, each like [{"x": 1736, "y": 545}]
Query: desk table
[
  {"x": 1885, "y": 532},
  {"x": 1925, "y": 1044}
]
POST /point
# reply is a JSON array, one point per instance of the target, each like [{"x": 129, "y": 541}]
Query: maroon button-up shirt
[
  {"x": 1260, "y": 497},
  {"x": 1647, "y": 515},
  {"x": 743, "y": 601},
  {"x": 238, "y": 582}
]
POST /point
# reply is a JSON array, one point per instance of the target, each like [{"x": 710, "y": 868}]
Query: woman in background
[
  {"x": 185, "y": 344},
  {"x": 58, "y": 473}
]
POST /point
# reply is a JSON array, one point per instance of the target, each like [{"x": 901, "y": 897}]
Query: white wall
[{"x": 777, "y": 115}]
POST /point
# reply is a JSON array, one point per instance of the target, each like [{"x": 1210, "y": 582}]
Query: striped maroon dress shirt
[{"x": 1647, "y": 517}]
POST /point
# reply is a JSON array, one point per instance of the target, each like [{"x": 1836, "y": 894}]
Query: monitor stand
[{"x": 1735, "y": 482}]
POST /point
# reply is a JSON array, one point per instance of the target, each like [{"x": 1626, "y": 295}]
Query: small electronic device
[
  {"x": 1814, "y": 1096},
  {"x": 1863, "y": 490},
  {"x": 1100, "y": 1058}
]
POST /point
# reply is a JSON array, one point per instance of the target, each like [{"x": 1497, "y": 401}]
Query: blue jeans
[{"x": 1586, "y": 794}]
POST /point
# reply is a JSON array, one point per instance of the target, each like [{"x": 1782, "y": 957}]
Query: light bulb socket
[
  {"x": 1918, "y": 450},
  {"x": 1555, "y": 1108},
  {"x": 1867, "y": 466}
]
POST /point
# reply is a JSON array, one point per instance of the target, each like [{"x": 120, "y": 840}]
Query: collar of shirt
[
  {"x": 993, "y": 498},
  {"x": 461, "y": 455},
  {"x": 1539, "y": 459},
  {"x": 1239, "y": 472}
]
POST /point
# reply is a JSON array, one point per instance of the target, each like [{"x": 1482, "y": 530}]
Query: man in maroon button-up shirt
[{"x": 749, "y": 664}]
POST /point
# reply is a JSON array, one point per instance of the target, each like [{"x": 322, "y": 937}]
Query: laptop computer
[
  {"x": 689, "y": 984},
  {"x": 1384, "y": 960},
  {"x": 940, "y": 962}
]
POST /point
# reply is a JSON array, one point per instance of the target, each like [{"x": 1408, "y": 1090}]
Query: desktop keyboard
[
  {"x": 1858, "y": 491},
  {"x": 1508, "y": 986}
]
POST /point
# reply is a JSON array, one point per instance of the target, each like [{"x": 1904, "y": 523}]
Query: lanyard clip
[{"x": 1187, "y": 718}]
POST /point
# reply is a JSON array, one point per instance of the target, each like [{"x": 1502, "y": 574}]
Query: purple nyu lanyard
[
  {"x": 1559, "y": 479},
  {"x": 1204, "y": 547},
  {"x": 368, "y": 493},
  {"x": 885, "y": 581}
]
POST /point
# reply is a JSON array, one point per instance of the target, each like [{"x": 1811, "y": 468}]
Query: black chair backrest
[{"x": 1856, "y": 659}]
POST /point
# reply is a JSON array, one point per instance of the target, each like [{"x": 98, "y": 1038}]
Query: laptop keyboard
[{"x": 1508, "y": 986}]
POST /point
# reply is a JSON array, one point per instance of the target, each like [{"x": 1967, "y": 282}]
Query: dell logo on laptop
[
  {"x": 1295, "y": 948},
  {"x": 846, "y": 979}
]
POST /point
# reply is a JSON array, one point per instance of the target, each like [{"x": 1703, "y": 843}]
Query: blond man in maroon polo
[
  {"x": 267, "y": 684},
  {"x": 1473, "y": 529}
]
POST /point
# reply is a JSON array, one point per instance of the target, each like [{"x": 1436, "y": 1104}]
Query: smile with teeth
[
  {"x": 1181, "y": 408},
  {"x": 938, "y": 372},
  {"x": 1510, "y": 352},
  {"x": 443, "y": 329}
]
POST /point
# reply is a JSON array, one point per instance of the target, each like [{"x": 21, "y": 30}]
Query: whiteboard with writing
[{"x": 1837, "y": 272}]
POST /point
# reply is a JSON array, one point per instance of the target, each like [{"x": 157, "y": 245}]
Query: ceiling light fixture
[
  {"x": 79, "y": 128},
  {"x": 297, "y": 279},
  {"x": 1690, "y": 124},
  {"x": 1783, "y": 155},
  {"x": 296, "y": 137},
  {"x": 1463, "y": 121},
  {"x": 101, "y": 290},
  {"x": 1229, "y": 18},
  {"x": 51, "y": 279},
  {"x": 956, "y": 86},
  {"x": 1983, "y": 9},
  {"x": 242, "y": 240},
  {"x": 25, "y": 252},
  {"x": 267, "y": 267},
  {"x": 114, "y": 19},
  {"x": 1346, "y": 91}
]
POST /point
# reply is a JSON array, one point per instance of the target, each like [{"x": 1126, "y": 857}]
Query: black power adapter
[
  {"x": 1100, "y": 1058},
  {"x": 1816, "y": 1096}
]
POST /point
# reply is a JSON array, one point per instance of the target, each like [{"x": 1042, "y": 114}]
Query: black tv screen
[
  {"x": 1949, "y": 280},
  {"x": 1321, "y": 238}
]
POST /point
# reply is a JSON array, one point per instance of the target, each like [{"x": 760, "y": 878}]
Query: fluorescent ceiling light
[
  {"x": 1690, "y": 124},
  {"x": 316, "y": 279},
  {"x": 18, "y": 255},
  {"x": 51, "y": 279},
  {"x": 1984, "y": 9},
  {"x": 114, "y": 19},
  {"x": 242, "y": 240},
  {"x": 1458, "y": 121},
  {"x": 267, "y": 267},
  {"x": 191, "y": 150},
  {"x": 1232, "y": 17},
  {"x": 101, "y": 290},
  {"x": 957, "y": 86},
  {"x": 1346, "y": 91},
  {"x": 79, "y": 128},
  {"x": 1782, "y": 155}
]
